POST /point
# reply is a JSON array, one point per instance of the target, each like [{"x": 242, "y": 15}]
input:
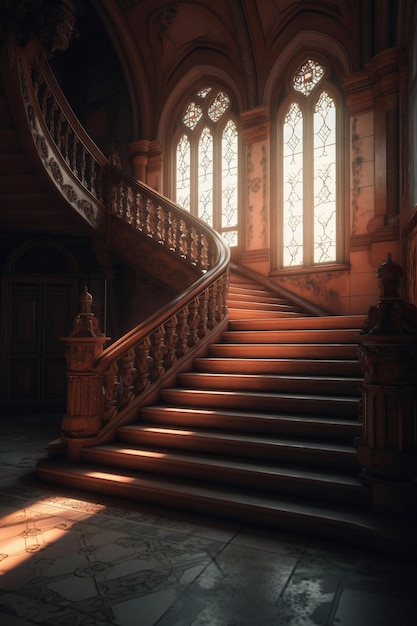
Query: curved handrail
[{"x": 152, "y": 351}]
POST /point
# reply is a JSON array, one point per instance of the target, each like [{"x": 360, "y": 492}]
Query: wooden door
[{"x": 40, "y": 312}]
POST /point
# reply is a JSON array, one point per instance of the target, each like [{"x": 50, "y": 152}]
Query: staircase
[{"x": 261, "y": 431}]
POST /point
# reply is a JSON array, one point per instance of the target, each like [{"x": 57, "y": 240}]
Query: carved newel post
[
  {"x": 84, "y": 386},
  {"x": 387, "y": 448}
]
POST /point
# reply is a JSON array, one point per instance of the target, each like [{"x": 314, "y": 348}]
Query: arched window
[
  {"x": 206, "y": 161},
  {"x": 309, "y": 193}
]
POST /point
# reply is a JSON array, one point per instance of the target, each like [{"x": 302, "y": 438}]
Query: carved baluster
[
  {"x": 139, "y": 210},
  {"x": 74, "y": 153},
  {"x": 171, "y": 341},
  {"x": 211, "y": 314},
  {"x": 81, "y": 163},
  {"x": 128, "y": 375},
  {"x": 223, "y": 286},
  {"x": 65, "y": 140},
  {"x": 144, "y": 363},
  {"x": 111, "y": 392},
  {"x": 166, "y": 228},
  {"x": 193, "y": 321},
  {"x": 152, "y": 218},
  {"x": 130, "y": 210},
  {"x": 189, "y": 244},
  {"x": 88, "y": 170},
  {"x": 58, "y": 126},
  {"x": 203, "y": 314},
  {"x": 121, "y": 208},
  {"x": 179, "y": 238},
  {"x": 158, "y": 352},
  {"x": 183, "y": 331}
]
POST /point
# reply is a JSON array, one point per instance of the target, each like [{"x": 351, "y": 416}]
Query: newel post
[
  {"x": 84, "y": 387},
  {"x": 387, "y": 448}
]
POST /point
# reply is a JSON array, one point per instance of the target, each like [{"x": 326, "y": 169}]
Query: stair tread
[
  {"x": 255, "y": 394},
  {"x": 128, "y": 482},
  {"x": 294, "y": 377},
  {"x": 248, "y": 466},
  {"x": 313, "y": 419},
  {"x": 237, "y": 438}
]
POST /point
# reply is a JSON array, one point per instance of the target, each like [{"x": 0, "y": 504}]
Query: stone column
[
  {"x": 387, "y": 448},
  {"x": 82, "y": 420}
]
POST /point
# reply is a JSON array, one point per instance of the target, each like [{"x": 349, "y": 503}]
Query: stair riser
[
  {"x": 261, "y": 481},
  {"x": 259, "y": 306},
  {"x": 270, "y": 384},
  {"x": 301, "y": 323},
  {"x": 285, "y": 351},
  {"x": 294, "y": 336},
  {"x": 277, "y": 366},
  {"x": 279, "y": 404},
  {"x": 273, "y": 426},
  {"x": 244, "y": 314},
  {"x": 279, "y": 453}
]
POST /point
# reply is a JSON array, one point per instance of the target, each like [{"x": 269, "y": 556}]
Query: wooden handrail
[{"x": 155, "y": 350}]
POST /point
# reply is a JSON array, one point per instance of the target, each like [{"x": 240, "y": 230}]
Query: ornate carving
[{"x": 387, "y": 448}]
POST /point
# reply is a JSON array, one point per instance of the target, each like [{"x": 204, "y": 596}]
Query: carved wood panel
[{"x": 40, "y": 311}]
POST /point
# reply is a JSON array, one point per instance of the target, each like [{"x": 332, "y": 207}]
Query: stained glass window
[
  {"x": 309, "y": 185},
  {"x": 293, "y": 191},
  {"x": 206, "y": 180},
  {"x": 324, "y": 179},
  {"x": 307, "y": 77}
]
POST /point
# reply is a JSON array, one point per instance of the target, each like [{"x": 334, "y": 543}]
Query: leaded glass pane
[
  {"x": 183, "y": 173},
  {"x": 307, "y": 77},
  {"x": 192, "y": 115},
  {"x": 293, "y": 186},
  {"x": 219, "y": 106},
  {"x": 324, "y": 179},
  {"x": 204, "y": 92},
  {"x": 205, "y": 177},
  {"x": 229, "y": 176}
]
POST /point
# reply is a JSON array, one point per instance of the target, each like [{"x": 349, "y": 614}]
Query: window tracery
[{"x": 206, "y": 168}]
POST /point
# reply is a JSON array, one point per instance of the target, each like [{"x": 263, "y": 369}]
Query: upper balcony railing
[{"x": 136, "y": 365}]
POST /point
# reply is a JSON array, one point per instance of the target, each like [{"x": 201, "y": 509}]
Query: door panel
[{"x": 40, "y": 313}]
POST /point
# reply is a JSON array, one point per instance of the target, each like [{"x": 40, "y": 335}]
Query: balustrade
[{"x": 106, "y": 386}]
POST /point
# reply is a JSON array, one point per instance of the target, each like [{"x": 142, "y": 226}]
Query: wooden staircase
[{"x": 261, "y": 431}]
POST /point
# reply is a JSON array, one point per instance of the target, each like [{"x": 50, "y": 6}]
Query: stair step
[
  {"x": 225, "y": 471},
  {"x": 301, "y": 322},
  {"x": 272, "y": 383},
  {"x": 319, "y": 367},
  {"x": 316, "y": 454},
  {"x": 342, "y": 522},
  {"x": 292, "y": 336},
  {"x": 291, "y": 403},
  {"x": 255, "y": 296},
  {"x": 261, "y": 304},
  {"x": 241, "y": 314},
  {"x": 300, "y": 426},
  {"x": 285, "y": 351}
]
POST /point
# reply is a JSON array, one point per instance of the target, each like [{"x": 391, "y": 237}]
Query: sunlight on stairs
[{"x": 262, "y": 429}]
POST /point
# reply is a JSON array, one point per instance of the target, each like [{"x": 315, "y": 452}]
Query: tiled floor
[{"x": 71, "y": 559}]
